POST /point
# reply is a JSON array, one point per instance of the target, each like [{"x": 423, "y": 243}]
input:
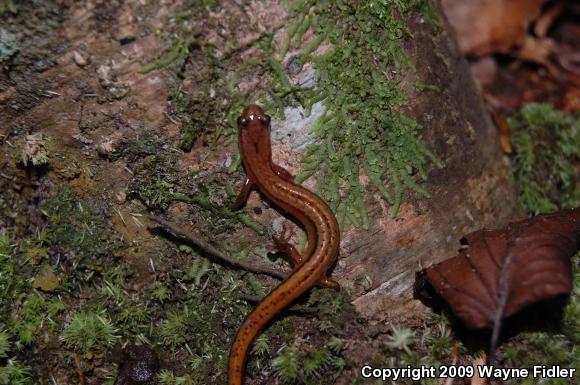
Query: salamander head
[{"x": 253, "y": 113}]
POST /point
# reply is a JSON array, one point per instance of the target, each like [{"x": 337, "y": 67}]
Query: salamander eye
[
  {"x": 242, "y": 121},
  {"x": 265, "y": 119}
]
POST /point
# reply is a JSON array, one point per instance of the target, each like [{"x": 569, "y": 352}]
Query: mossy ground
[{"x": 70, "y": 299}]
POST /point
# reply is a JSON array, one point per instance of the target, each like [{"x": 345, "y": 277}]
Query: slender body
[{"x": 310, "y": 268}]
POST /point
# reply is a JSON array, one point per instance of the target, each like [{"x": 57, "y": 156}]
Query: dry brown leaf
[
  {"x": 545, "y": 21},
  {"x": 499, "y": 272},
  {"x": 46, "y": 280},
  {"x": 538, "y": 51},
  {"x": 486, "y": 26}
]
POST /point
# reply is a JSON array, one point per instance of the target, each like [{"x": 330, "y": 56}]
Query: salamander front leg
[{"x": 244, "y": 194}]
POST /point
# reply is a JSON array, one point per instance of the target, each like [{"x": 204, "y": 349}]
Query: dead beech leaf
[{"x": 499, "y": 272}]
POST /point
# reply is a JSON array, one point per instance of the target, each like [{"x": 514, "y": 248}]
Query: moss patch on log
[
  {"x": 546, "y": 158},
  {"x": 363, "y": 129}
]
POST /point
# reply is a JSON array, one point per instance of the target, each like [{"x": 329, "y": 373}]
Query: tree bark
[{"x": 473, "y": 191}]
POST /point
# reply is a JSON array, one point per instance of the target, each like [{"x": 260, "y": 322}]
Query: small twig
[{"x": 215, "y": 253}]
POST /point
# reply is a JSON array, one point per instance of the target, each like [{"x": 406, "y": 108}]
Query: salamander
[{"x": 310, "y": 268}]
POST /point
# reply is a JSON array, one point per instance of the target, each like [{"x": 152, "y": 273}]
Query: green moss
[
  {"x": 428, "y": 9},
  {"x": 10, "y": 282},
  {"x": 34, "y": 248},
  {"x": 330, "y": 306},
  {"x": 430, "y": 346},
  {"x": 27, "y": 314},
  {"x": 224, "y": 212},
  {"x": 287, "y": 365},
  {"x": 166, "y": 377},
  {"x": 14, "y": 373},
  {"x": 532, "y": 349},
  {"x": 401, "y": 338},
  {"x": 145, "y": 144},
  {"x": 261, "y": 346},
  {"x": 76, "y": 226},
  {"x": 89, "y": 332},
  {"x": 301, "y": 364},
  {"x": 439, "y": 342},
  {"x": 546, "y": 158},
  {"x": 8, "y": 42},
  {"x": 318, "y": 361},
  {"x": 206, "y": 107},
  {"x": 160, "y": 293},
  {"x": 200, "y": 111},
  {"x": 181, "y": 34},
  {"x": 155, "y": 183},
  {"x": 28, "y": 321},
  {"x": 363, "y": 129},
  {"x": 427, "y": 87},
  {"x": 571, "y": 323},
  {"x": 173, "y": 330},
  {"x": 178, "y": 51},
  {"x": 4, "y": 344},
  {"x": 198, "y": 269}
]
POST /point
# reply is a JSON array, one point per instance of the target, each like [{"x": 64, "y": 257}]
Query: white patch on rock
[{"x": 293, "y": 130}]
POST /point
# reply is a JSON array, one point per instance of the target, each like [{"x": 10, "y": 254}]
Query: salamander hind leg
[
  {"x": 296, "y": 260},
  {"x": 284, "y": 247}
]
